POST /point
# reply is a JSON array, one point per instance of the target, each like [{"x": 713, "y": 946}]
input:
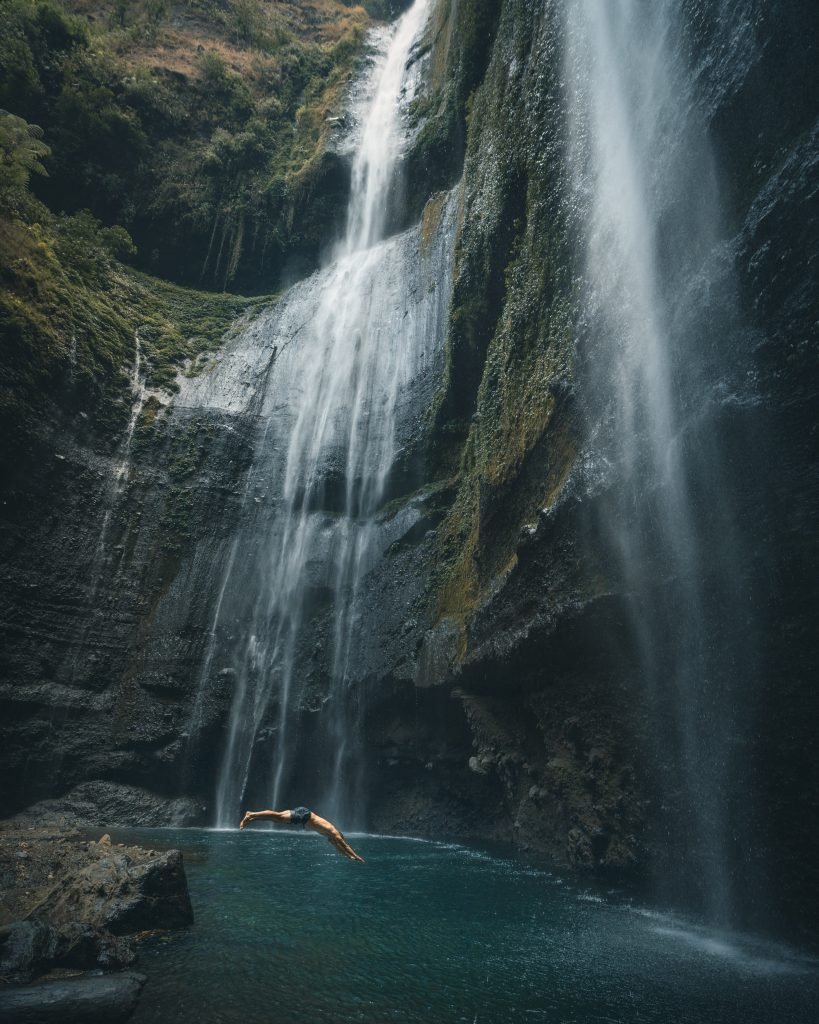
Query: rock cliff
[{"x": 502, "y": 678}]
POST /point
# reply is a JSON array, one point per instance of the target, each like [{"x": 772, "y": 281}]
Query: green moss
[
  {"x": 182, "y": 519},
  {"x": 70, "y": 313},
  {"x": 150, "y": 410},
  {"x": 175, "y": 525},
  {"x": 176, "y": 325},
  {"x": 459, "y": 41},
  {"x": 188, "y": 453},
  {"x": 62, "y": 330},
  {"x": 503, "y": 418}
]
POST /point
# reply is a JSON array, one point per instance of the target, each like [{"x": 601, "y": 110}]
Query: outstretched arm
[
  {"x": 331, "y": 833},
  {"x": 344, "y": 847},
  {"x": 282, "y": 816}
]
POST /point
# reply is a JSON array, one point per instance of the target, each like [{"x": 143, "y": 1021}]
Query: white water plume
[
  {"x": 338, "y": 375},
  {"x": 647, "y": 205}
]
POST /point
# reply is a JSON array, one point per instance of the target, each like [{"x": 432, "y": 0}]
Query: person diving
[{"x": 307, "y": 819}]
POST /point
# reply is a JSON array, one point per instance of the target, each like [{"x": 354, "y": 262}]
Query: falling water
[
  {"x": 656, "y": 301},
  {"x": 115, "y": 487},
  {"x": 139, "y": 393},
  {"x": 339, "y": 373}
]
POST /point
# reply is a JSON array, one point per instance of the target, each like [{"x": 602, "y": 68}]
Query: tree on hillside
[
  {"x": 21, "y": 150},
  {"x": 248, "y": 20}
]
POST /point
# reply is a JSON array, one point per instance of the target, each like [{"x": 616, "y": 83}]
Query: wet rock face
[
  {"x": 91, "y": 687},
  {"x": 565, "y": 778},
  {"x": 775, "y": 234},
  {"x": 112, "y": 803},
  {"x": 71, "y": 903},
  {"x": 499, "y": 668},
  {"x": 533, "y": 624},
  {"x": 563, "y": 597}
]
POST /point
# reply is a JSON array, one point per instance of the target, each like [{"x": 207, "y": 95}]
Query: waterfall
[
  {"x": 656, "y": 307},
  {"x": 337, "y": 375},
  {"x": 139, "y": 393},
  {"x": 115, "y": 488}
]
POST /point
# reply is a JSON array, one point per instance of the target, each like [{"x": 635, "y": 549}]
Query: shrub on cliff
[{"x": 21, "y": 152}]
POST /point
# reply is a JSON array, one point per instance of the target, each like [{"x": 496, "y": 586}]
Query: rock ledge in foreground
[
  {"x": 72, "y": 903},
  {"x": 105, "y": 999}
]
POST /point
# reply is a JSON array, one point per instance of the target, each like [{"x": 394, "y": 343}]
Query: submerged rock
[{"x": 105, "y": 999}]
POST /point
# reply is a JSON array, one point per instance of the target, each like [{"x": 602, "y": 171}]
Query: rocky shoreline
[{"x": 73, "y": 905}]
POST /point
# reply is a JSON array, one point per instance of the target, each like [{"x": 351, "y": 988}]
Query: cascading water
[
  {"x": 115, "y": 488},
  {"x": 140, "y": 393},
  {"x": 341, "y": 370},
  {"x": 656, "y": 309}
]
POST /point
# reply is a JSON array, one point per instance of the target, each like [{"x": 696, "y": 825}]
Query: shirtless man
[{"x": 301, "y": 816}]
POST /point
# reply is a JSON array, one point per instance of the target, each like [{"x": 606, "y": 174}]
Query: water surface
[{"x": 288, "y": 930}]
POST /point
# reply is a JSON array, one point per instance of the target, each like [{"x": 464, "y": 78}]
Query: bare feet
[{"x": 247, "y": 818}]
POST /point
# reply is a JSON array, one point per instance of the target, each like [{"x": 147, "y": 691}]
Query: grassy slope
[{"x": 69, "y": 313}]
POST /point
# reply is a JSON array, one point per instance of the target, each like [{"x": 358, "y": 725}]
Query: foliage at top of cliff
[
  {"x": 200, "y": 126},
  {"x": 189, "y": 139}
]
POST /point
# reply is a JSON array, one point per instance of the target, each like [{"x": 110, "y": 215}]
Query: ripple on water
[
  {"x": 286, "y": 930},
  {"x": 743, "y": 952}
]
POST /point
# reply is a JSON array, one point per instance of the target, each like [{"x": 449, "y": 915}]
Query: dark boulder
[
  {"x": 72, "y": 904},
  {"x": 106, "y": 999},
  {"x": 114, "y": 891},
  {"x": 30, "y": 948}
]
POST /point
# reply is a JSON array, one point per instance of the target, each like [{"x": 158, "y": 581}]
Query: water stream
[
  {"x": 115, "y": 487},
  {"x": 337, "y": 376},
  {"x": 139, "y": 393},
  {"x": 656, "y": 320}
]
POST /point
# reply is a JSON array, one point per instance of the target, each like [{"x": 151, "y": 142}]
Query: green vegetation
[
  {"x": 21, "y": 150},
  {"x": 70, "y": 309},
  {"x": 502, "y": 420},
  {"x": 182, "y": 140},
  {"x": 200, "y": 126}
]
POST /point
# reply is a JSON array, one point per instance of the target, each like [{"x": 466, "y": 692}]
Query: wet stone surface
[{"x": 74, "y": 903}]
